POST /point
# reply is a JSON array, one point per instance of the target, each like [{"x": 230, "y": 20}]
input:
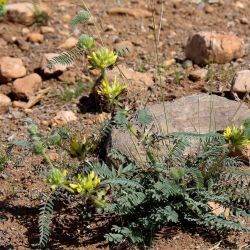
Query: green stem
[{"x": 47, "y": 159}]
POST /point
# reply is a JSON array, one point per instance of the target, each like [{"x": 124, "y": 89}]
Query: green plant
[
  {"x": 173, "y": 187},
  {"x": 3, "y": 4},
  {"x": 71, "y": 93},
  {"x": 3, "y": 160},
  {"x": 40, "y": 16},
  {"x": 236, "y": 137}
]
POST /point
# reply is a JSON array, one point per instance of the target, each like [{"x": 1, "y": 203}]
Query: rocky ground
[{"x": 203, "y": 48}]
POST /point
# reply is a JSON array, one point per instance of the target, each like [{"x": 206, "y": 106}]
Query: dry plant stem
[
  {"x": 156, "y": 40},
  {"x": 47, "y": 159}
]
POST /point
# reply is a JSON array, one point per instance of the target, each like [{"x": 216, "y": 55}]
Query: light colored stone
[
  {"x": 47, "y": 29},
  {"x": 201, "y": 113},
  {"x": 211, "y": 47},
  {"x": 35, "y": 37},
  {"x": 64, "y": 117},
  {"x": 241, "y": 82},
  {"x": 12, "y": 67},
  {"x": 198, "y": 74},
  {"x": 69, "y": 43},
  {"x": 55, "y": 68},
  {"x": 168, "y": 63},
  {"x": 66, "y": 18},
  {"x": 27, "y": 86},
  {"x": 126, "y": 48},
  {"x": 135, "y": 81},
  {"x": 5, "y": 103},
  {"x": 24, "y": 12},
  {"x": 25, "y": 31}
]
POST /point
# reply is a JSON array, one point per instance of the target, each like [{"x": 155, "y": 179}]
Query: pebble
[
  {"x": 5, "y": 103},
  {"x": 11, "y": 67}
]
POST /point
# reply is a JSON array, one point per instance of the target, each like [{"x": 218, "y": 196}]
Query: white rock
[
  {"x": 198, "y": 74},
  {"x": 64, "y": 117},
  {"x": 241, "y": 82},
  {"x": 12, "y": 67}
]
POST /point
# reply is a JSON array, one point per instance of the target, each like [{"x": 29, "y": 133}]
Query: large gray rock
[{"x": 198, "y": 113}]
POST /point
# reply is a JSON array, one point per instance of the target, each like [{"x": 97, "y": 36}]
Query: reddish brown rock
[
  {"x": 12, "y": 67},
  {"x": 35, "y": 37},
  {"x": 70, "y": 43},
  {"x": 210, "y": 47},
  {"x": 27, "y": 86}
]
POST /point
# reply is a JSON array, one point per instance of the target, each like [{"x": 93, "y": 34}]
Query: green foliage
[
  {"x": 3, "y": 160},
  {"x": 72, "y": 93},
  {"x": 3, "y": 4},
  {"x": 102, "y": 58},
  {"x": 40, "y": 16},
  {"x": 82, "y": 17},
  {"x": 45, "y": 217},
  {"x": 86, "y": 42},
  {"x": 173, "y": 186}
]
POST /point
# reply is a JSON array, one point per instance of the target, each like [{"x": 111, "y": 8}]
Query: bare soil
[{"x": 22, "y": 183}]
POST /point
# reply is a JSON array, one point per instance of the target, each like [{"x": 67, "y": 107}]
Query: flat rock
[
  {"x": 12, "y": 68},
  {"x": 5, "y": 103},
  {"x": 241, "y": 82},
  {"x": 23, "y": 13},
  {"x": 135, "y": 81},
  {"x": 27, "y": 86},
  {"x": 211, "y": 47},
  {"x": 197, "y": 113},
  {"x": 56, "y": 67}
]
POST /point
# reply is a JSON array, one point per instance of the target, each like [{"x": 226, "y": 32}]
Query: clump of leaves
[
  {"x": 3, "y": 160},
  {"x": 40, "y": 16},
  {"x": 102, "y": 58},
  {"x": 173, "y": 187},
  {"x": 72, "y": 93},
  {"x": 236, "y": 137},
  {"x": 111, "y": 94},
  {"x": 3, "y": 4}
]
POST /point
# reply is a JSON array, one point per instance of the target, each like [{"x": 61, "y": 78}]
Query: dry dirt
[{"x": 21, "y": 184}]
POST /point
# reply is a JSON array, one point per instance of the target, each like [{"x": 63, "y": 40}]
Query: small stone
[
  {"x": 208, "y": 9},
  {"x": 126, "y": 48},
  {"x": 69, "y": 43},
  {"x": 187, "y": 64},
  {"x": 35, "y": 37},
  {"x": 244, "y": 20},
  {"x": 24, "y": 13},
  {"x": 211, "y": 47},
  {"x": 47, "y": 29},
  {"x": 27, "y": 86},
  {"x": 5, "y": 103},
  {"x": 64, "y": 117},
  {"x": 198, "y": 74},
  {"x": 66, "y": 18},
  {"x": 12, "y": 67},
  {"x": 5, "y": 88},
  {"x": 56, "y": 68},
  {"x": 239, "y": 5},
  {"x": 68, "y": 76},
  {"x": 168, "y": 63},
  {"x": 241, "y": 82},
  {"x": 25, "y": 31}
]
